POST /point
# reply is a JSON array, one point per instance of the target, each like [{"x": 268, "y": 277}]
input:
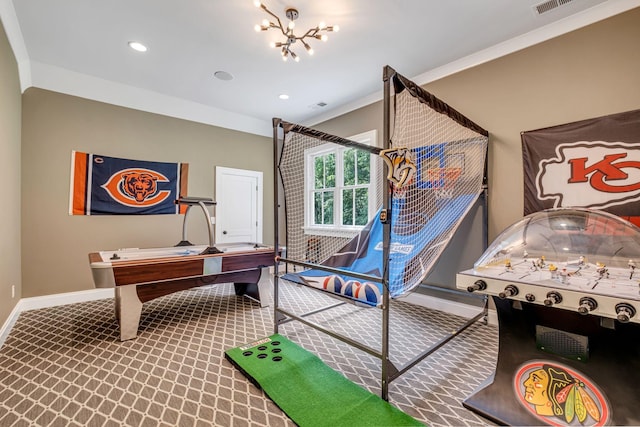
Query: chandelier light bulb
[
  {"x": 307, "y": 47},
  {"x": 258, "y": 28},
  {"x": 324, "y": 37},
  {"x": 322, "y": 25},
  {"x": 335, "y": 28},
  {"x": 291, "y": 25},
  {"x": 257, "y": 3}
]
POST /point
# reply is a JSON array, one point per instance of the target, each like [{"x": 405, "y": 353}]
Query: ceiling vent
[
  {"x": 318, "y": 106},
  {"x": 549, "y": 5}
]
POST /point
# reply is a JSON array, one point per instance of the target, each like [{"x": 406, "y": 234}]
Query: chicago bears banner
[
  {"x": 592, "y": 163},
  {"x": 102, "y": 185}
]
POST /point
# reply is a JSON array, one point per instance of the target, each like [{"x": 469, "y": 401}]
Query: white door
[{"x": 238, "y": 205}]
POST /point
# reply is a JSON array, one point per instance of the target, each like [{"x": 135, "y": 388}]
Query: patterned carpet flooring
[{"x": 65, "y": 366}]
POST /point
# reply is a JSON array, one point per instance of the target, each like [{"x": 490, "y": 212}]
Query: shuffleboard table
[{"x": 141, "y": 275}]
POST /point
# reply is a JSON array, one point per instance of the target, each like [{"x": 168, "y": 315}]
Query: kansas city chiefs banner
[
  {"x": 592, "y": 163},
  {"x": 102, "y": 185}
]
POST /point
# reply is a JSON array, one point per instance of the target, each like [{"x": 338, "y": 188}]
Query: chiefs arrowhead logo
[{"x": 595, "y": 175}]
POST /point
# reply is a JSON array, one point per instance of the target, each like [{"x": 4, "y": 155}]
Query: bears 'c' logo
[{"x": 136, "y": 187}]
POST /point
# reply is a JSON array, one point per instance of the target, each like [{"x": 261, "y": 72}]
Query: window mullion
[
  {"x": 337, "y": 194},
  {"x": 324, "y": 188},
  {"x": 355, "y": 207},
  {"x": 356, "y": 182}
]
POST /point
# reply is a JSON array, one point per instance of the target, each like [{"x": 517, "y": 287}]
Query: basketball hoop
[
  {"x": 443, "y": 180},
  {"x": 400, "y": 191}
]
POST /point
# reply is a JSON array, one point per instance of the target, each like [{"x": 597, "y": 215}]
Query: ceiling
[{"x": 80, "y": 47}]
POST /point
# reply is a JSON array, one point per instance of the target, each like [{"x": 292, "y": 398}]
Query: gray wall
[
  {"x": 590, "y": 72},
  {"x": 10, "y": 121},
  {"x": 54, "y": 244}
]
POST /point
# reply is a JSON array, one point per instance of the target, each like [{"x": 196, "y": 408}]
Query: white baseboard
[
  {"x": 11, "y": 320},
  {"x": 45, "y": 301},
  {"x": 453, "y": 307},
  {"x": 34, "y": 303}
]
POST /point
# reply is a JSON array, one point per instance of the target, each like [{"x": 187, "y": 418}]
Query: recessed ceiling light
[
  {"x": 284, "y": 96},
  {"x": 138, "y": 46},
  {"x": 222, "y": 75}
]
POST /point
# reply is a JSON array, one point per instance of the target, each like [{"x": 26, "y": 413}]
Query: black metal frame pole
[
  {"x": 276, "y": 248},
  {"x": 386, "y": 237}
]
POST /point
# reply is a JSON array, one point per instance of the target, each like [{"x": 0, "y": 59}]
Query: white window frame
[{"x": 337, "y": 229}]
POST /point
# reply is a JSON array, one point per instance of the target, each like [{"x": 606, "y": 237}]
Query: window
[{"x": 339, "y": 195}]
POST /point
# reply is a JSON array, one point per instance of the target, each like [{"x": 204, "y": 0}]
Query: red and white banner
[{"x": 592, "y": 163}]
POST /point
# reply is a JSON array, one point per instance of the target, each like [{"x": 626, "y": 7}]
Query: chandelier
[{"x": 289, "y": 37}]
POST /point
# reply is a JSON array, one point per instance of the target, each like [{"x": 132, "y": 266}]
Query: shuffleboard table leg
[
  {"x": 128, "y": 311},
  {"x": 260, "y": 291},
  {"x": 265, "y": 287}
]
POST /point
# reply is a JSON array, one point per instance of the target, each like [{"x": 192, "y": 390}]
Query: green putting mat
[{"x": 310, "y": 392}]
